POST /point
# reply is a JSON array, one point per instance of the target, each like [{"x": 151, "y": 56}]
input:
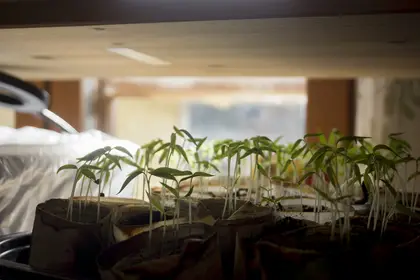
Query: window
[
  {"x": 271, "y": 116},
  {"x": 264, "y": 115}
]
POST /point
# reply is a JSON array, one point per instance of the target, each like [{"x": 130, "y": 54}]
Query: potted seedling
[
  {"x": 65, "y": 241},
  {"x": 170, "y": 236},
  {"x": 363, "y": 247}
]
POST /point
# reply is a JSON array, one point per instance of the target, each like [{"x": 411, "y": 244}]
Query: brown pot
[
  {"x": 310, "y": 253},
  {"x": 247, "y": 222},
  {"x": 68, "y": 248},
  {"x": 189, "y": 252}
]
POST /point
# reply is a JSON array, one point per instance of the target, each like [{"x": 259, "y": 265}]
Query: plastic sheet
[{"x": 29, "y": 159}]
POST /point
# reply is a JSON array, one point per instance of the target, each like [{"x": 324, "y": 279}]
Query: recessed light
[{"x": 138, "y": 56}]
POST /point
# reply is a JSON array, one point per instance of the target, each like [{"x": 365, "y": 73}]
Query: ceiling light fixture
[{"x": 138, "y": 56}]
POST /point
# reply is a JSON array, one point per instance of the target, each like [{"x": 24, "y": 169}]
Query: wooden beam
[
  {"x": 330, "y": 106},
  {"x": 19, "y": 14}
]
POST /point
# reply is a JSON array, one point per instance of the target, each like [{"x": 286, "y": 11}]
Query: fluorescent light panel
[{"x": 138, "y": 56}]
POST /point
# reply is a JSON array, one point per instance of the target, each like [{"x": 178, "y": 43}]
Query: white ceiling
[{"x": 348, "y": 46}]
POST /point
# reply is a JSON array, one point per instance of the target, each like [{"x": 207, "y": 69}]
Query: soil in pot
[
  {"x": 130, "y": 220},
  {"x": 69, "y": 248},
  {"x": 310, "y": 253},
  {"x": 186, "y": 251}
]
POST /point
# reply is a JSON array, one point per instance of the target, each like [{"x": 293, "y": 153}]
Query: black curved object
[
  {"x": 21, "y": 96},
  {"x": 24, "y": 97},
  {"x": 14, "y": 258}
]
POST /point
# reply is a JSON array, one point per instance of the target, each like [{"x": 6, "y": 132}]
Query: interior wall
[
  {"x": 7, "y": 117},
  {"x": 387, "y": 106},
  {"x": 141, "y": 119}
]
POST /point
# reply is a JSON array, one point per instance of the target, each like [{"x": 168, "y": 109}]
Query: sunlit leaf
[
  {"x": 67, "y": 167},
  {"x": 296, "y": 144},
  {"x": 130, "y": 178},
  {"x": 380, "y": 147},
  {"x": 94, "y": 155},
  {"x": 182, "y": 152},
  {"x": 114, "y": 159},
  {"x": 298, "y": 152},
  {"x": 196, "y": 174},
  {"x": 172, "y": 190},
  {"x": 155, "y": 202},
  {"x": 88, "y": 173},
  {"x": 163, "y": 156},
  {"x": 162, "y": 147},
  {"x": 310, "y": 135},
  {"x": 189, "y": 193},
  {"x": 123, "y": 150}
]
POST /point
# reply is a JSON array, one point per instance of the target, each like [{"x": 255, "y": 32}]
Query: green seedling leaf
[
  {"x": 406, "y": 211},
  {"x": 67, "y": 167},
  {"x": 87, "y": 173},
  {"x": 190, "y": 192},
  {"x": 323, "y": 139},
  {"x": 162, "y": 147},
  {"x": 199, "y": 142},
  {"x": 268, "y": 199},
  {"x": 130, "y": 178},
  {"x": 173, "y": 141},
  {"x": 94, "y": 155},
  {"x": 278, "y": 179},
  {"x": 332, "y": 176},
  {"x": 123, "y": 150},
  {"x": 352, "y": 139},
  {"x": 286, "y": 165},
  {"x": 262, "y": 170},
  {"x": 155, "y": 202},
  {"x": 163, "y": 155},
  {"x": 172, "y": 190},
  {"x": 107, "y": 177},
  {"x": 324, "y": 195},
  {"x": 305, "y": 176},
  {"x": 169, "y": 173},
  {"x": 182, "y": 152},
  {"x": 391, "y": 135},
  {"x": 405, "y": 160},
  {"x": 296, "y": 144},
  {"x": 368, "y": 180},
  {"x": 380, "y": 147},
  {"x": 196, "y": 174},
  {"x": 91, "y": 167},
  {"x": 129, "y": 162},
  {"x": 114, "y": 159},
  {"x": 413, "y": 176},
  {"x": 190, "y": 137},
  {"x": 310, "y": 135},
  {"x": 137, "y": 155},
  {"x": 390, "y": 188},
  {"x": 178, "y": 132},
  {"x": 318, "y": 154},
  {"x": 298, "y": 152}
]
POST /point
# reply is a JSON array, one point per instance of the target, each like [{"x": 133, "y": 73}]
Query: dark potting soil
[{"x": 82, "y": 212}]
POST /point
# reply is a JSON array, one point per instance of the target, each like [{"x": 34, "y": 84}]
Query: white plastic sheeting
[{"x": 29, "y": 159}]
